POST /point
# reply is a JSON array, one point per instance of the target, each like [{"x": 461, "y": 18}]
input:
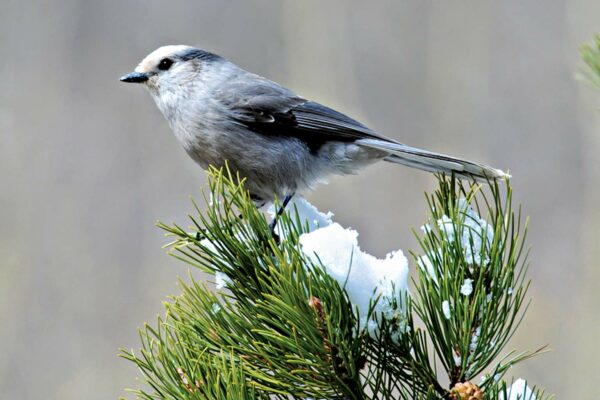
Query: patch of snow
[{"x": 363, "y": 276}]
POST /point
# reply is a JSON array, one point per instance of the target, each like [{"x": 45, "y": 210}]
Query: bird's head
[{"x": 171, "y": 68}]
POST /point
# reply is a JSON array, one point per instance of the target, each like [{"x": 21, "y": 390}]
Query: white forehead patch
[{"x": 151, "y": 61}]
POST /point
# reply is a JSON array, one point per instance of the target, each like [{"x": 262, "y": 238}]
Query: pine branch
[
  {"x": 284, "y": 325},
  {"x": 267, "y": 321}
]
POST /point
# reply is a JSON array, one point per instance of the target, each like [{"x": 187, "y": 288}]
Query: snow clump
[{"x": 363, "y": 276}]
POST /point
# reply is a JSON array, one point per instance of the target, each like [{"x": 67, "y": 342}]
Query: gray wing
[{"x": 269, "y": 109}]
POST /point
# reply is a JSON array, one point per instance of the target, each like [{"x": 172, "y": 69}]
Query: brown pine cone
[{"x": 466, "y": 391}]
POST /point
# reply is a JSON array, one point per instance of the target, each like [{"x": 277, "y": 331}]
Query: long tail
[{"x": 432, "y": 162}]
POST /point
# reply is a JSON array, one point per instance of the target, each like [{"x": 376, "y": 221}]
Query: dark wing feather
[
  {"x": 269, "y": 109},
  {"x": 314, "y": 117}
]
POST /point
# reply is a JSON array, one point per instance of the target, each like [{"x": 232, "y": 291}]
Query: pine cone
[{"x": 466, "y": 391}]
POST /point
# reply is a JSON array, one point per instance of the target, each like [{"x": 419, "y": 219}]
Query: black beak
[{"x": 135, "y": 77}]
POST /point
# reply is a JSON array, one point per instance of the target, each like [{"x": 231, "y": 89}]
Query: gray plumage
[{"x": 280, "y": 142}]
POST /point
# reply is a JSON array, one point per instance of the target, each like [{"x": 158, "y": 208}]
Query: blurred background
[{"x": 87, "y": 164}]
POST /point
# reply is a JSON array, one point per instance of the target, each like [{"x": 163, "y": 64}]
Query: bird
[{"x": 278, "y": 141}]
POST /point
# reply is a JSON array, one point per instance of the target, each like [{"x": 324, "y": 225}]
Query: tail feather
[{"x": 432, "y": 162}]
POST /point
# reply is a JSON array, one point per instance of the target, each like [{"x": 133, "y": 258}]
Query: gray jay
[{"x": 279, "y": 141}]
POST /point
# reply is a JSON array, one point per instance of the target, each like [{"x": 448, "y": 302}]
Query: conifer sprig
[
  {"x": 282, "y": 327},
  {"x": 471, "y": 293},
  {"x": 590, "y": 54}
]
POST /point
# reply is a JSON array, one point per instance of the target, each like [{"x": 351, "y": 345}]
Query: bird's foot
[
  {"x": 272, "y": 226},
  {"x": 273, "y": 223}
]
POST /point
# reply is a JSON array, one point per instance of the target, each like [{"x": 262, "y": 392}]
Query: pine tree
[{"x": 284, "y": 325}]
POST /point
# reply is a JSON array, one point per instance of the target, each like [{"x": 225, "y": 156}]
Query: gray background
[{"x": 87, "y": 164}]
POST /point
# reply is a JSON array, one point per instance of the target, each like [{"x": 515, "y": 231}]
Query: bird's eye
[{"x": 165, "y": 64}]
